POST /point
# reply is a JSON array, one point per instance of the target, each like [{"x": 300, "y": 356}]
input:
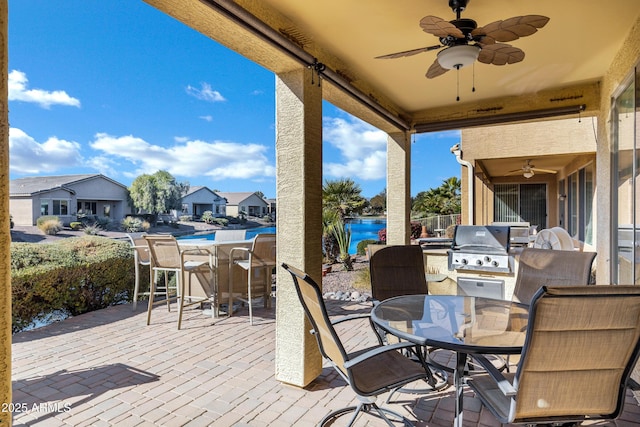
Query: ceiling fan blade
[
  {"x": 543, "y": 170},
  {"x": 514, "y": 172},
  {"x": 408, "y": 52},
  {"x": 435, "y": 70},
  {"x": 511, "y": 29},
  {"x": 439, "y": 27},
  {"x": 500, "y": 54}
]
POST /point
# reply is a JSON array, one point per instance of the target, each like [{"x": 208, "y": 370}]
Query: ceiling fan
[
  {"x": 528, "y": 170},
  {"x": 464, "y": 42}
]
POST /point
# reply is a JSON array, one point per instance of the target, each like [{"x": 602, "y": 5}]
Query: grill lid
[{"x": 481, "y": 238}]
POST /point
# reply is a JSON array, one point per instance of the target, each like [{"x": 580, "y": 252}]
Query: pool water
[{"x": 361, "y": 229}]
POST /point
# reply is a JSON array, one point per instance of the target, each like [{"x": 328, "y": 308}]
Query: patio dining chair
[
  {"x": 140, "y": 259},
  {"x": 369, "y": 371},
  {"x": 546, "y": 267},
  {"x": 230, "y": 235},
  {"x": 397, "y": 270},
  {"x": 166, "y": 257},
  {"x": 581, "y": 346},
  {"x": 538, "y": 267},
  {"x": 258, "y": 263}
]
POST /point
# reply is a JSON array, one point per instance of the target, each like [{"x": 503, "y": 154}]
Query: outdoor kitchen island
[{"x": 479, "y": 262}]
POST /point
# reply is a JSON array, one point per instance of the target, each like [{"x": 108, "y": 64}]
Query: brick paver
[{"x": 109, "y": 368}]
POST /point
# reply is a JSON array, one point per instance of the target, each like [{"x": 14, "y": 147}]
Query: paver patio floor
[{"x": 109, "y": 368}]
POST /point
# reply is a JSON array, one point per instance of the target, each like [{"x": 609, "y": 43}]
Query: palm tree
[{"x": 343, "y": 196}]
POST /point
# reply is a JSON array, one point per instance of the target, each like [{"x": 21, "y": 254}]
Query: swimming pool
[{"x": 361, "y": 229}]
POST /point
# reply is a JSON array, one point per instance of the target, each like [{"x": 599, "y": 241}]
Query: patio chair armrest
[
  {"x": 503, "y": 384},
  {"x": 377, "y": 350},
  {"x": 238, "y": 249}
]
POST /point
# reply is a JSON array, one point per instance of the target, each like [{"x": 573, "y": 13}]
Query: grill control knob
[
  {"x": 464, "y": 261},
  {"x": 487, "y": 259},
  {"x": 479, "y": 262},
  {"x": 494, "y": 263}
]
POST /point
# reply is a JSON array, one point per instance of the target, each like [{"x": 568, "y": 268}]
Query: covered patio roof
[{"x": 572, "y": 65}]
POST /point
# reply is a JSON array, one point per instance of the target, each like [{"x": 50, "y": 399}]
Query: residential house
[
  {"x": 200, "y": 199},
  {"x": 66, "y": 196},
  {"x": 250, "y": 204},
  {"x": 543, "y": 173}
]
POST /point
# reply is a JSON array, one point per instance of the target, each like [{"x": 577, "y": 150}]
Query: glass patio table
[{"x": 463, "y": 324}]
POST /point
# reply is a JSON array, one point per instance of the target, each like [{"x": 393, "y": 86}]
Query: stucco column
[
  {"x": 299, "y": 219},
  {"x": 399, "y": 188},
  {"x": 5, "y": 233}
]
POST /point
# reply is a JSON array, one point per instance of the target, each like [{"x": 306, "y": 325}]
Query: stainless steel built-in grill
[{"x": 482, "y": 248}]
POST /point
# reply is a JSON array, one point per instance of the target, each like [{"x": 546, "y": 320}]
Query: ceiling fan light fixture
[
  {"x": 458, "y": 56},
  {"x": 528, "y": 173}
]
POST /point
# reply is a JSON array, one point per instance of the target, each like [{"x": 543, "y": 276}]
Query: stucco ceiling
[{"x": 577, "y": 45}]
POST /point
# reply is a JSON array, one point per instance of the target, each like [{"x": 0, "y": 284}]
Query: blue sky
[{"x": 119, "y": 88}]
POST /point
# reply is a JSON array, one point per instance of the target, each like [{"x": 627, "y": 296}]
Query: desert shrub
[
  {"x": 103, "y": 222},
  {"x": 221, "y": 221},
  {"x": 76, "y": 225},
  {"x": 49, "y": 225},
  {"x": 362, "y": 280},
  {"x": 382, "y": 235},
  {"x": 186, "y": 218},
  {"x": 416, "y": 230},
  {"x": 207, "y": 217},
  {"x": 92, "y": 230},
  {"x": 361, "y": 248},
  {"x": 132, "y": 224},
  {"x": 72, "y": 276}
]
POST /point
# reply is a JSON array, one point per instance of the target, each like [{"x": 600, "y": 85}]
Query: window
[
  {"x": 61, "y": 207},
  {"x": 88, "y": 208},
  {"x": 521, "y": 203},
  {"x": 625, "y": 172},
  {"x": 54, "y": 207},
  {"x": 580, "y": 204}
]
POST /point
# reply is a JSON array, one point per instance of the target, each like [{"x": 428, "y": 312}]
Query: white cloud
[
  {"x": 206, "y": 93},
  {"x": 206, "y": 118},
  {"x": 18, "y": 82},
  {"x": 29, "y": 156},
  {"x": 363, "y": 149},
  {"x": 193, "y": 158}
]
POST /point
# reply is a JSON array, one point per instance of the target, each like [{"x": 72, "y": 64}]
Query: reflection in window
[{"x": 626, "y": 152}]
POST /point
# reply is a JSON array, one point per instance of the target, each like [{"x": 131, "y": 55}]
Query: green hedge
[{"x": 73, "y": 275}]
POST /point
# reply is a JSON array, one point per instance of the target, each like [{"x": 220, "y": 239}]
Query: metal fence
[{"x": 436, "y": 225}]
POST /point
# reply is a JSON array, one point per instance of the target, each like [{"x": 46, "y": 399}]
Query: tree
[
  {"x": 443, "y": 200},
  {"x": 157, "y": 193},
  {"x": 378, "y": 202},
  {"x": 343, "y": 196}
]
